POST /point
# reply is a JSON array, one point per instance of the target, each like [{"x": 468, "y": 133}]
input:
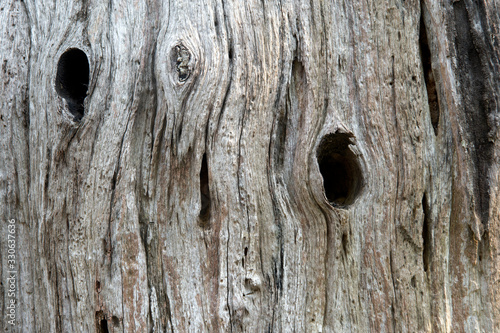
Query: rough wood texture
[{"x": 189, "y": 197}]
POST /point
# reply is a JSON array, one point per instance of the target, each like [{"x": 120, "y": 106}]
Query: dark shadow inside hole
[
  {"x": 426, "y": 235},
  {"x": 342, "y": 178},
  {"x": 116, "y": 321},
  {"x": 101, "y": 322},
  {"x": 204, "y": 190},
  {"x": 104, "y": 326},
  {"x": 72, "y": 80}
]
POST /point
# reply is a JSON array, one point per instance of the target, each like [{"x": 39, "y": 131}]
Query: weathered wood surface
[{"x": 109, "y": 231}]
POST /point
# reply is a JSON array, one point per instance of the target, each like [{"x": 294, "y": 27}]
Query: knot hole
[
  {"x": 72, "y": 80},
  {"x": 339, "y": 166},
  {"x": 181, "y": 58}
]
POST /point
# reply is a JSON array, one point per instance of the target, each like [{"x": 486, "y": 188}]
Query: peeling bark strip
[{"x": 190, "y": 166}]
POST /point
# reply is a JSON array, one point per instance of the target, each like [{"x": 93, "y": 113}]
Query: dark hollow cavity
[
  {"x": 339, "y": 166},
  {"x": 101, "y": 322},
  {"x": 426, "y": 235},
  {"x": 116, "y": 321},
  {"x": 104, "y": 326},
  {"x": 72, "y": 80},
  {"x": 204, "y": 190}
]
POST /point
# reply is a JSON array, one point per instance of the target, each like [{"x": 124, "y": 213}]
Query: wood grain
[{"x": 113, "y": 230}]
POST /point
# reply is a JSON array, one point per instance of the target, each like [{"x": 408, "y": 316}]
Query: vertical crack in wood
[
  {"x": 344, "y": 244},
  {"x": 275, "y": 164},
  {"x": 278, "y": 268},
  {"x": 429, "y": 79},
  {"x": 426, "y": 235},
  {"x": 219, "y": 121},
  {"x": 204, "y": 192},
  {"x": 394, "y": 288},
  {"x": 278, "y": 149},
  {"x": 154, "y": 107}
]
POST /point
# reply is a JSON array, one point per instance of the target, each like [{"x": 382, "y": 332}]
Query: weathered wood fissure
[
  {"x": 426, "y": 235},
  {"x": 430, "y": 82}
]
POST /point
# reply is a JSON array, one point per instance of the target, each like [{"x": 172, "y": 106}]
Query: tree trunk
[{"x": 250, "y": 166}]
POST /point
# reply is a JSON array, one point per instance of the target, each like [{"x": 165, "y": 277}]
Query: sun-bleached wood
[{"x": 189, "y": 196}]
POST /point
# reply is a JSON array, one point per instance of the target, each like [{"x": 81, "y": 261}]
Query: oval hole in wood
[
  {"x": 339, "y": 166},
  {"x": 72, "y": 80}
]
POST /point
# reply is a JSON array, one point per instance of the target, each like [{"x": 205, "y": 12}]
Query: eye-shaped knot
[{"x": 180, "y": 61}]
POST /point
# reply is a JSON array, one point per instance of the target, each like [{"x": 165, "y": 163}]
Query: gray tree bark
[{"x": 250, "y": 166}]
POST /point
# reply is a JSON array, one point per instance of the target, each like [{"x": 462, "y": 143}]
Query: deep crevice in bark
[
  {"x": 204, "y": 191},
  {"x": 344, "y": 243},
  {"x": 426, "y": 235},
  {"x": 277, "y": 146},
  {"x": 280, "y": 139},
  {"x": 278, "y": 268},
  {"x": 430, "y": 82}
]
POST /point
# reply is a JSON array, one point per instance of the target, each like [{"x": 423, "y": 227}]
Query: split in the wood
[
  {"x": 430, "y": 82},
  {"x": 72, "y": 80},
  {"x": 339, "y": 166},
  {"x": 204, "y": 190},
  {"x": 344, "y": 243},
  {"x": 426, "y": 235}
]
